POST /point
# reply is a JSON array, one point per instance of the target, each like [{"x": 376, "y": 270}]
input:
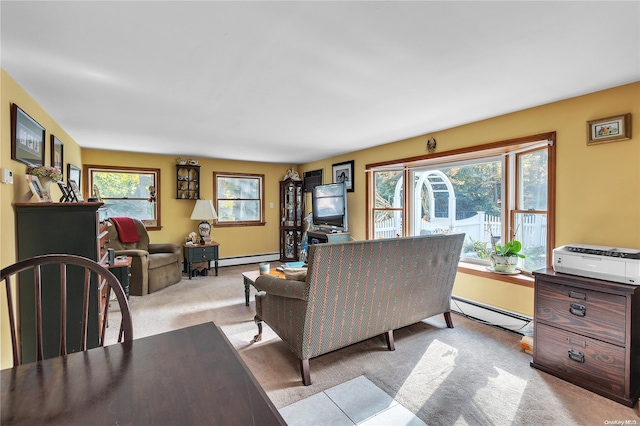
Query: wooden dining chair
[{"x": 75, "y": 275}]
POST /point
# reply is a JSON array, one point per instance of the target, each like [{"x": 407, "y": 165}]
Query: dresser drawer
[
  {"x": 195, "y": 254},
  {"x": 585, "y": 360},
  {"x": 592, "y": 313}
]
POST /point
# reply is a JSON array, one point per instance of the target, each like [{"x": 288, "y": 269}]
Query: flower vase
[{"x": 46, "y": 188}]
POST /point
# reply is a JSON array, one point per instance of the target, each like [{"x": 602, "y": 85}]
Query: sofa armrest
[
  {"x": 164, "y": 248},
  {"x": 281, "y": 287},
  {"x": 132, "y": 253}
]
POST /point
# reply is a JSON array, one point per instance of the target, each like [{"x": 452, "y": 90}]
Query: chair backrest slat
[
  {"x": 12, "y": 317},
  {"x": 85, "y": 308},
  {"x": 38, "y": 284},
  {"x": 103, "y": 277},
  {"x": 63, "y": 309}
]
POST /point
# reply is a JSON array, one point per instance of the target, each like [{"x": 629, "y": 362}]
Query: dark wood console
[
  {"x": 587, "y": 332},
  {"x": 319, "y": 237}
]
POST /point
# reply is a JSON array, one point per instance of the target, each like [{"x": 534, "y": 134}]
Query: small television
[{"x": 329, "y": 205}]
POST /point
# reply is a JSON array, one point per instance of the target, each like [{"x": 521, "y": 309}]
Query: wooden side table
[{"x": 200, "y": 253}]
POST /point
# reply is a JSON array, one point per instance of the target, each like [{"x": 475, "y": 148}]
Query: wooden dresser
[
  {"x": 587, "y": 332},
  {"x": 48, "y": 228}
]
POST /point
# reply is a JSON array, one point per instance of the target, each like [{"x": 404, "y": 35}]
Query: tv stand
[{"x": 319, "y": 236}]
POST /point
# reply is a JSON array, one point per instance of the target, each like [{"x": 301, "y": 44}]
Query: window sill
[{"x": 522, "y": 279}]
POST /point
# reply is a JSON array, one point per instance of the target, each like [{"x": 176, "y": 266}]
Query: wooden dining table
[{"x": 190, "y": 376}]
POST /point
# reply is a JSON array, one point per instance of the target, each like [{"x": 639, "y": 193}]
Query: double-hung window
[
  {"x": 239, "y": 199},
  {"x": 132, "y": 192},
  {"x": 493, "y": 193}
]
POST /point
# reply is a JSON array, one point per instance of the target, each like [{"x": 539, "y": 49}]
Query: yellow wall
[
  {"x": 175, "y": 213},
  {"x": 598, "y": 187}
]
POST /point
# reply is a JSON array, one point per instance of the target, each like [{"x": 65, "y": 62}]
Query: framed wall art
[
  {"x": 343, "y": 172},
  {"x": 57, "y": 154},
  {"x": 27, "y": 138},
  {"x": 609, "y": 129},
  {"x": 73, "y": 174}
]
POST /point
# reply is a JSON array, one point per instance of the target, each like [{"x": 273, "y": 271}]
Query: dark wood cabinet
[
  {"x": 587, "y": 332},
  {"x": 48, "y": 228},
  {"x": 291, "y": 226},
  {"x": 187, "y": 182}
]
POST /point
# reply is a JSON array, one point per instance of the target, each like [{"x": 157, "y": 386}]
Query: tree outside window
[
  {"x": 239, "y": 199},
  {"x": 128, "y": 192}
]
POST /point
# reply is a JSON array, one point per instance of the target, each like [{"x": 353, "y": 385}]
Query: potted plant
[{"x": 504, "y": 259}]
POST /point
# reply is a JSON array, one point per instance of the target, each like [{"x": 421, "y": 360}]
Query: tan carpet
[{"x": 470, "y": 375}]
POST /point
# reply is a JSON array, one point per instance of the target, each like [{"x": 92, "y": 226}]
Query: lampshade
[{"x": 203, "y": 210}]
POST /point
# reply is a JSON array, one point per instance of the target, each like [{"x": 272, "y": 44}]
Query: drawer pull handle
[
  {"x": 575, "y": 355},
  {"x": 578, "y": 309},
  {"x": 577, "y": 295}
]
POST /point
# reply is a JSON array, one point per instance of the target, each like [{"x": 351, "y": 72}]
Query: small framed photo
[
  {"x": 57, "y": 158},
  {"x": 73, "y": 186},
  {"x": 609, "y": 129},
  {"x": 38, "y": 190},
  {"x": 27, "y": 138},
  {"x": 68, "y": 196},
  {"x": 343, "y": 172}
]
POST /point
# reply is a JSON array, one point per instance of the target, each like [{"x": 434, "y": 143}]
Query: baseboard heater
[
  {"x": 492, "y": 315},
  {"x": 244, "y": 260}
]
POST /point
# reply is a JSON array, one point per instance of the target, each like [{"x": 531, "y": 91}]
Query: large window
[
  {"x": 493, "y": 193},
  {"x": 132, "y": 192},
  {"x": 239, "y": 199}
]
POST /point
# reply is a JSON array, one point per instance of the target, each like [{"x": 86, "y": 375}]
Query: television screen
[{"x": 329, "y": 204}]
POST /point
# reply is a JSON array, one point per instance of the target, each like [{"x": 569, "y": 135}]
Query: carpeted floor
[{"x": 473, "y": 374}]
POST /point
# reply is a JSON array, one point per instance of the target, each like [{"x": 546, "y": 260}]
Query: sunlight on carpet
[{"x": 427, "y": 375}]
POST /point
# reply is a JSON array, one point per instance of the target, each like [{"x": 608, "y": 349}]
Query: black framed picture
[
  {"x": 57, "y": 154},
  {"x": 27, "y": 138},
  {"x": 73, "y": 174},
  {"x": 343, "y": 172}
]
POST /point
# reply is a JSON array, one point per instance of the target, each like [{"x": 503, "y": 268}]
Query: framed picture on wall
[
  {"x": 73, "y": 174},
  {"x": 343, "y": 172},
  {"x": 610, "y": 129},
  {"x": 27, "y": 138},
  {"x": 57, "y": 157}
]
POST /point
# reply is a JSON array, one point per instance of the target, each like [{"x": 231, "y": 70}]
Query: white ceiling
[{"x": 292, "y": 82}]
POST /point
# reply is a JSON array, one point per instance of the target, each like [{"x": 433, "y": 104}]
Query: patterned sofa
[{"x": 359, "y": 289}]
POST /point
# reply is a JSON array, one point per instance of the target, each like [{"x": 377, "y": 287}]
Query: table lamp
[{"x": 204, "y": 211}]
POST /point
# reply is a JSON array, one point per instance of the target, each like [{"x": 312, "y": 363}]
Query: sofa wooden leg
[
  {"x": 304, "y": 372},
  {"x": 389, "y": 338},
  {"x": 447, "y": 318},
  {"x": 258, "y": 336}
]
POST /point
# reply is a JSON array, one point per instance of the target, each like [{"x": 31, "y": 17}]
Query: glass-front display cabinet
[{"x": 291, "y": 216}]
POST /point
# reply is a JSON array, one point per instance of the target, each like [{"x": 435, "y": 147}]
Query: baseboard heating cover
[
  {"x": 244, "y": 260},
  {"x": 493, "y": 315}
]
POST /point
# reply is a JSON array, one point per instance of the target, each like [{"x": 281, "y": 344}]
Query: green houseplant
[{"x": 504, "y": 258}]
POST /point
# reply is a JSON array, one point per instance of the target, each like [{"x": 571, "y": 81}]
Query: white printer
[{"x": 606, "y": 263}]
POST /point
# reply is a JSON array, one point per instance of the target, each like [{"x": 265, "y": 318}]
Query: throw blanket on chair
[{"x": 126, "y": 227}]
